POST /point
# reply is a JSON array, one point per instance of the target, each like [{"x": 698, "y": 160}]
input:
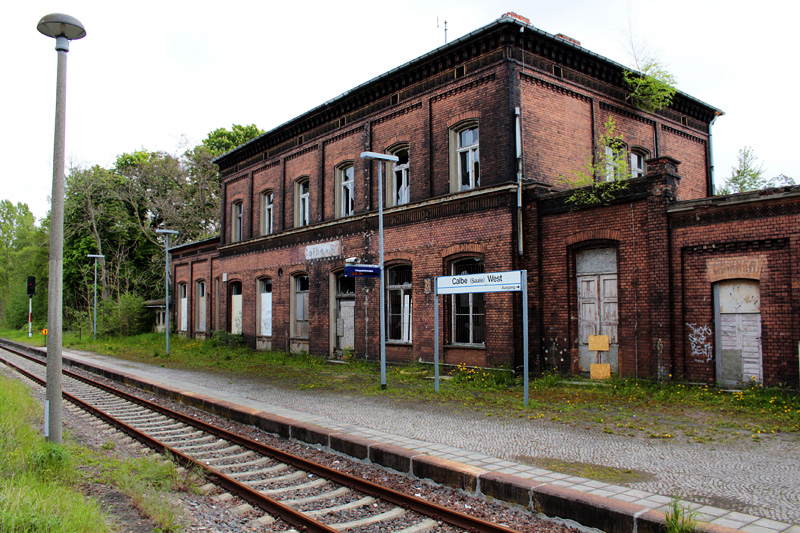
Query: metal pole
[
  {"x": 30, "y": 316},
  {"x": 56, "y": 261},
  {"x": 95, "y": 298},
  {"x": 525, "y": 330},
  {"x": 435, "y": 336},
  {"x": 166, "y": 262},
  {"x": 380, "y": 246}
]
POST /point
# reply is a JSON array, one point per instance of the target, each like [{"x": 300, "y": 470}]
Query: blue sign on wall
[{"x": 362, "y": 271}]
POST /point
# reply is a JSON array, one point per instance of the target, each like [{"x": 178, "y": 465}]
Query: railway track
[{"x": 306, "y": 495}]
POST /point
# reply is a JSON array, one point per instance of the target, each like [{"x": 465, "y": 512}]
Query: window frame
[
  {"x": 237, "y": 220},
  {"x": 296, "y": 332},
  {"x": 345, "y": 189},
  {"x": 302, "y": 204},
  {"x": 405, "y": 289},
  {"x": 476, "y": 305},
  {"x": 267, "y": 212},
  {"x": 201, "y": 316},
  {"x": 261, "y": 283},
  {"x": 641, "y": 154},
  {"x": 393, "y": 195},
  {"x": 460, "y": 152},
  {"x": 615, "y": 161}
]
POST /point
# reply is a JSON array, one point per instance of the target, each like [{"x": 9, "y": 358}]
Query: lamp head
[{"x": 60, "y": 25}]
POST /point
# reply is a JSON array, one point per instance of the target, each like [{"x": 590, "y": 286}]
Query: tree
[
  {"x": 603, "y": 175},
  {"x": 651, "y": 85},
  {"x": 652, "y": 88},
  {"x": 221, "y": 140},
  {"x": 17, "y": 231},
  {"x": 748, "y": 175}
]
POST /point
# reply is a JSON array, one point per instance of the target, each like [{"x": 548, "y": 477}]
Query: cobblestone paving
[{"x": 753, "y": 480}]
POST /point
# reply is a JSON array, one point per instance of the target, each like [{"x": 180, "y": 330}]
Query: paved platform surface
[{"x": 753, "y": 488}]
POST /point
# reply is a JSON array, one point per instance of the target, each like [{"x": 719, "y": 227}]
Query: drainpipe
[
  {"x": 520, "y": 167},
  {"x": 710, "y": 184}
]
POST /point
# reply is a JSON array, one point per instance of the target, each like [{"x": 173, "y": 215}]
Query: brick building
[{"x": 484, "y": 129}]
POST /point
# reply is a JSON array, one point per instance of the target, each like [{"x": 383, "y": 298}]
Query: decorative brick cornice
[
  {"x": 465, "y": 87},
  {"x": 683, "y": 134},
  {"x": 553, "y": 87}
]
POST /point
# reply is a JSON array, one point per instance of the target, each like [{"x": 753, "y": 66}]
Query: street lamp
[
  {"x": 381, "y": 158},
  {"x": 96, "y": 257},
  {"x": 167, "y": 233},
  {"x": 63, "y": 29}
]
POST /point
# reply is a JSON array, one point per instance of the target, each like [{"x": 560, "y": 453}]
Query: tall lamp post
[
  {"x": 63, "y": 29},
  {"x": 167, "y": 233},
  {"x": 96, "y": 257},
  {"x": 381, "y": 158}
]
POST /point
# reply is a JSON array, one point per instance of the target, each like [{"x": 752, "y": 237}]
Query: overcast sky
[{"x": 162, "y": 75}]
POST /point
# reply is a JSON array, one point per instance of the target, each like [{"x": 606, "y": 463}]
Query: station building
[{"x": 485, "y": 129}]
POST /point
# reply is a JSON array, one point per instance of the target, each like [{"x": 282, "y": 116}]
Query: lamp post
[
  {"x": 381, "y": 158},
  {"x": 96, "y": 257},
  {"x": 63, "y": 29},
  {"x": 167, "y": 233}
]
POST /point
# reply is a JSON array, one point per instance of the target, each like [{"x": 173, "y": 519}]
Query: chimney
[
  {"x": 567, "y": 38},
  {"x": 512, "y": 15}
]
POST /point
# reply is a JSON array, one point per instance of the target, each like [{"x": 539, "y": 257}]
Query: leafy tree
[
  {"x": 651, "y": 85},
  {"x": 652, "y": 88},
  {"x": 221, "y": 140},
  {"x": 17, "y": 232},
  {"x": 603, "y": 175},
  {"x": 748, "y": 175}
]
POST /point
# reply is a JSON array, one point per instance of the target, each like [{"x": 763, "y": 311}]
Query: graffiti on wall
[{"x": 700, "y": 342}]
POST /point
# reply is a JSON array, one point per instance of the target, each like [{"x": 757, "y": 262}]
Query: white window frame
[
  {"x": 237, "y": 221},
  {"x": 468, "y": 155},
  {"x": 638, "y": 166},
  {"x": 302, "y": 202},
  {"x": 267, "y": 212},
  {"x": 399, "y": 188},
  {"x": 615, "y": 161},
  {"x": 345, "y": 177},
  {"x": 404, "y": 293}
]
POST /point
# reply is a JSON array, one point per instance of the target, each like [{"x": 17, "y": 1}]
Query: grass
[
  {"x": 38, "y": 491},
  {"x": 41, "y": 480},
  {"x": 680, "y": 519},
  {"x": 624, "y": 407}
]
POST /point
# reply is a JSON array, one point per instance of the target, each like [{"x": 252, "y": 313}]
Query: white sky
[{"x": 154, "y": 75}]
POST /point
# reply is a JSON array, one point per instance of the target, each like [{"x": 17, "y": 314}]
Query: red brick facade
[{"x": 487, "y": 81}]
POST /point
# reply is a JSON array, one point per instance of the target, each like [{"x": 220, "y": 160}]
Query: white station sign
[{"x": 489, "y": 282}]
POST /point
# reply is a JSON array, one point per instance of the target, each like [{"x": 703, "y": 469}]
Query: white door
[
  {"x": 201, "y": 307},
  {"x": 184, "y": 309},
  {"x": 598, "y": 305},
  {"x": 345, "y": 324},
  {"x": 738, "y": 332},
  {"x": 236, "y": 308},
  {"x": 266, "y": 309}
]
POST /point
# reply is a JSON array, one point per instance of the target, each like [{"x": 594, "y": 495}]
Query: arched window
[
  {"x": 345, "y": 190},
  {"x": 237, "y": 221},
  {"x": 267, "y": 212},
  {"x": 302, "y": 202},
  {"x": 638, "y": 167},
  {"x": 398, "y": 188}
]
